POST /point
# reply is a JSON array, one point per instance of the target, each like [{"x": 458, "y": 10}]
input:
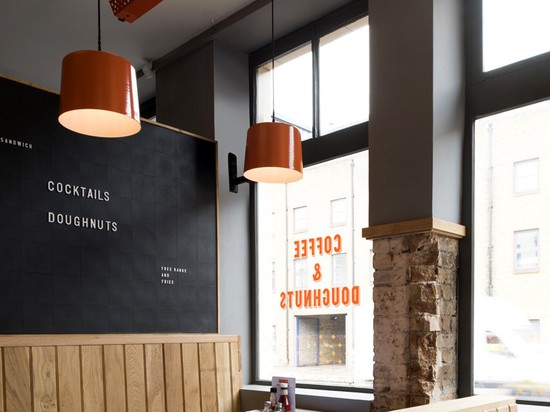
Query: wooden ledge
[
  {"x": 412, "y": 227},
  {"x": 113, "y": 339}
]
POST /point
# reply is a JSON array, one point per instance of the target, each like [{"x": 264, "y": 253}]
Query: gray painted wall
[
  {"x": 231, "y": 124},
  {"x": 448, "y": 104},
  {"x": 185, "y": 93},
  {"x": 417, "y": 110}
]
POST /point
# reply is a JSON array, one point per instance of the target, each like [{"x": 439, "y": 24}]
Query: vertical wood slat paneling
[
  {"x": 223, "y": 376},
  {"x": 69, "y": 385},
  {"x": 1, "y": 381},
  {"x": 174, "y": 377},
  {"x": 135, "y": 378},
  {"x": 44, "y": 379},
  {"x": 109, "y": 376},
  {"x": 207, "y": 362},
  {"x": 236, "y": 375},
  {"x": 93, "y": 391},
  {"x": 191, "y": 377},
  {"x": 115, "y": 379},
  {"x": 154, "y": 369},
  {"x": 17, "y": 377}
]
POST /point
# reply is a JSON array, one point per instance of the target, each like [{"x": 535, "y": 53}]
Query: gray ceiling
[{"x": 36, "y": 34}]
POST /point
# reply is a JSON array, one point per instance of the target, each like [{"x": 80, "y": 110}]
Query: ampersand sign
[{"x": 317, "y": 275}]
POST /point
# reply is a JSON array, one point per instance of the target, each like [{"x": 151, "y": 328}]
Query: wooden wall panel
[
  {"x": 236, "y": 375},
  {"x": 207, "y": 362},
  {"x": 69, "y": 383},
  {"x": 44, "y": 379},
  {"x": 135, "y": 378},
  {"x": 191, "y": 377},
  {"x": 17, "y": 369},
  {"x": 99, "y": 373},
  {"x": 93, "y": 391},
  {"x": 173, "y": 369},
  {"x": 154, "y": 372},
  {"x": 115, "y": 378},
  {"x": 1, "y": 381},
  {"x": 223, "y": 376}
]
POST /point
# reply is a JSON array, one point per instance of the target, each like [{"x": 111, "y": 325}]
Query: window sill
[{"x": 253, "y": 397}]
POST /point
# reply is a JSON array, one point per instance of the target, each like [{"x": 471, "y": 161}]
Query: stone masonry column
[{"x": 415, "y": 312}]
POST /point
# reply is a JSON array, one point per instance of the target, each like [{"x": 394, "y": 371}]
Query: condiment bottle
[
  {"x": 284, "y": 399},
  {"x": 279, "y": 408},
  {"x": 273, "y": 396},
  {"x": 267, "y": 407}
]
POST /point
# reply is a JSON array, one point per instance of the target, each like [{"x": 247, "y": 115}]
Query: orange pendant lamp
[
  {"x": 273, "y": 153},
  {"x": 273, "y": 149},
  {"x": 99, "y": 93}
]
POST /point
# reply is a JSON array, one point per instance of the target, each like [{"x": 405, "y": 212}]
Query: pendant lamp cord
[
  {"x": 273, "y": 57},
  {"x": 98, "y": 27}
]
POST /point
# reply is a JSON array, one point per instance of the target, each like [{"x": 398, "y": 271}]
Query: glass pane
[
  {"x": 512, "y": 262},
  {"x": 344, "y": 77},
  {"x": 526, "y": 176},
  {"x": 338, "y": 212},
  {"x": 293, "y": 85},
  {"x": 514, "y": 31},
  {"x": 322, "y": 309}
]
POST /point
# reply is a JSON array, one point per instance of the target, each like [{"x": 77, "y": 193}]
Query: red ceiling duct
[{"x": 131, "y": 10}]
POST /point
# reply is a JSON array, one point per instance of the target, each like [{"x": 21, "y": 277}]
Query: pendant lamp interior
[
  {"x": 273, "y": 149},
  {"x": 99, "y": 93}
]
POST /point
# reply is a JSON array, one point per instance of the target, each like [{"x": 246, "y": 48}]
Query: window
[
  {"x": 292, "y": 83},
  {"x": 321, "y": 283},
  {"x": 512, "y": 33},
  {"x": 339, "y": 269},
  {"x": 338, "y": 212},
  {"x": 273, "y": 277},
  {"x": 526, "y": 176},
  {"x": 300, "y": 219},
  {"x": 344, "y": 99},
  {"x": 321, "y": 83},
  {"x": 300, "y": 273},
  {"x": 324, "y": 292},
  {"x": 526, "y": 248},
  {"x": 511, "y": 336}
]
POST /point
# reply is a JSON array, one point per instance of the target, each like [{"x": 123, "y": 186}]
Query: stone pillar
[{"x": 415, "y": 315}]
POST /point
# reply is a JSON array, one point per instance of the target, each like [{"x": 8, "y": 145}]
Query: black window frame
[
  {"x": 502, "y": 89},
  {"x": 315, "y": 150}
]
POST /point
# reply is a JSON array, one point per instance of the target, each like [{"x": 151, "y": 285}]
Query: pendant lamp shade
[
  {"x": 273, "y": 153},
  {"x": 99, "y": 95}
]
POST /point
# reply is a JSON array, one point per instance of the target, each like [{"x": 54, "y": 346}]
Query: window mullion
[{"x": 316, "y": 84}]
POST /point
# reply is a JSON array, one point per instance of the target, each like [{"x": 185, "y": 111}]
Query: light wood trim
[
  {"x": 154, "y": 373},
  {"x": 1, "y": 382},
  {"x": 93, "y": 388},
  {"x": 236, "y": 375},
  {"x": 476, "y": 403},
  {"x": 44, "y": 379},
  {"x": 135, "y": 378},
  {"x": 207, "y": 362},
  {"x": 174, "y": 377},
  {"x": 69, "y": 381},
  {"x": 115, "y": 378},
  {"x": 17, "y": 369},
  {"x": 191, "y": 377},
  {"x": 223, "y": 376},
  {"x": 115, "y": 339},
  {"x": 411, "y": 227}
]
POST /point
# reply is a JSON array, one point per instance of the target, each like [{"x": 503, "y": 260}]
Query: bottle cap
[{"x": 273, "y": 389}]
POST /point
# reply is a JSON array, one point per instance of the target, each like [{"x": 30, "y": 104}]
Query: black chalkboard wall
[{"x": 103, "y": 235}]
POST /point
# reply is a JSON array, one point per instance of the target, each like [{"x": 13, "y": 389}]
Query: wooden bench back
[{"x": 122, "y": 373}]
